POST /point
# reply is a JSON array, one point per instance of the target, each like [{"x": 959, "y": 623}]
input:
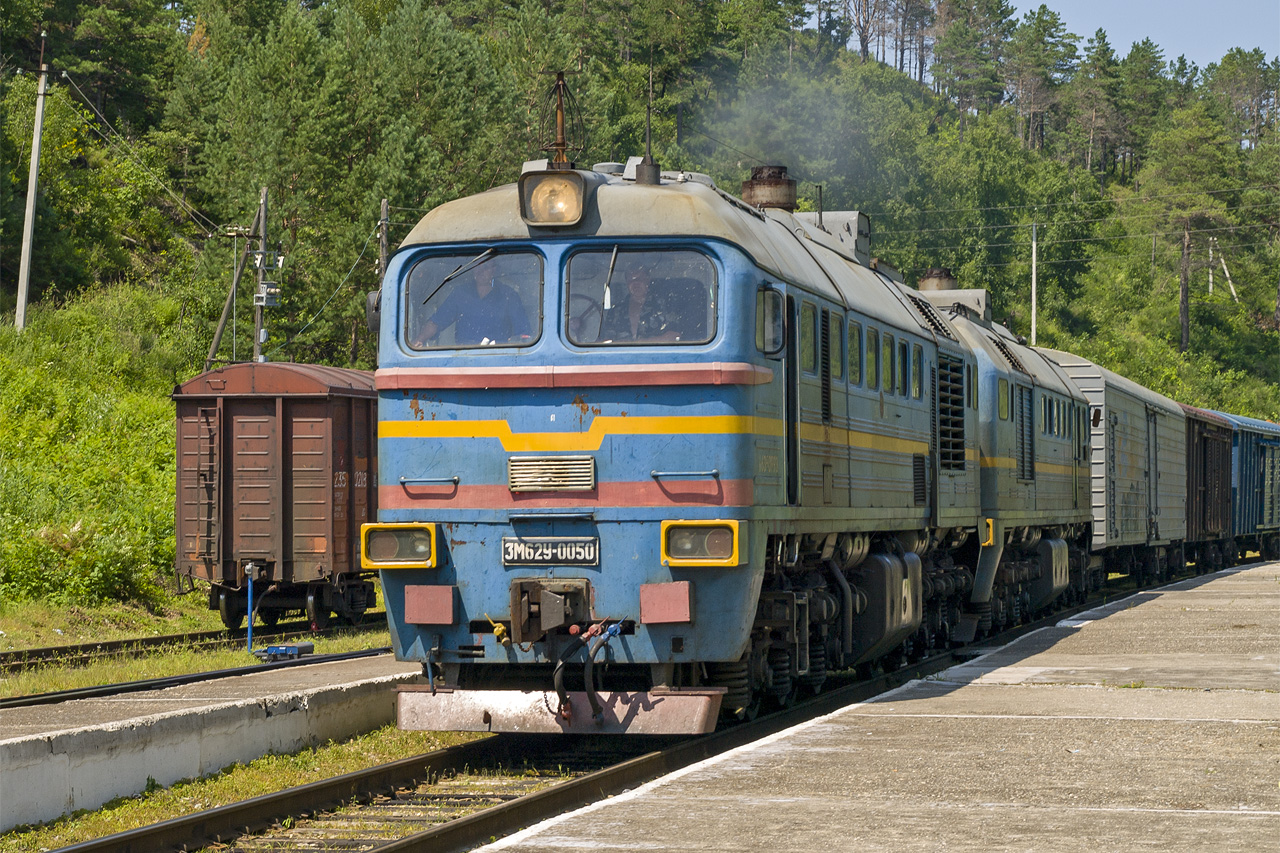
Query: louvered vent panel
[
  {"x": 931, "y": 316},
  {"x": 551, "y": 473},
  {"x": 919, "y": 480},
  {"x": 1007, "y": 352},
  {"x": 1026, "y": 435},
  {"x": 950, "y": 413}
]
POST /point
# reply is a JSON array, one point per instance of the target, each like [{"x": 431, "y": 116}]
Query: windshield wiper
[
  {"x": 462, "y": 268},
  {"x": 613, "y": 262}
]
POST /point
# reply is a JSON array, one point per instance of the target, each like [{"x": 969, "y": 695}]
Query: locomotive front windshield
[
  {"x": 624, "y": 298},
  {"x": 474, "y": 300}
]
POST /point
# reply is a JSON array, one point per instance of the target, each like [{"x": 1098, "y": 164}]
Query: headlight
[
  {"x": 551, "y": 198},
  {"x": 700, "y": 543},
  {"x": 398, "y": 546}
]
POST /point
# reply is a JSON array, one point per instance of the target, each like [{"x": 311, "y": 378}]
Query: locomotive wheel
[
  {"x": 317, "y": 613},
  {"x": 231, "y": 612}
]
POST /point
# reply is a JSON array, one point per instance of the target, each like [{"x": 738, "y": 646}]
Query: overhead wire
[
  {"x": 336, "y": 290},
  {"x": 1075, "y": 203},
  {"x": 192, "y": 213}
]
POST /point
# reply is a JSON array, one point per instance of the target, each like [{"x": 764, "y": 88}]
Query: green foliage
[
  {"x": 87, "y": 448},
  {"x": 334, "y": 105}
]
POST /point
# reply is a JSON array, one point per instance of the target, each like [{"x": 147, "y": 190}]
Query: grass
[
  {"x": 166, "y": 662},
  {"x": 39, "y": 624},
  {"x": 238, "y": 782}
]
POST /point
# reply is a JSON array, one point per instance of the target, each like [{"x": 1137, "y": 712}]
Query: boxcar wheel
[
  {"x": 317, "y": 613},
  {"x": 231, "y": 612}
]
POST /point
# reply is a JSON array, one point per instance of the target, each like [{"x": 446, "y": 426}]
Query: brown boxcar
[
  {"x": 1208, "y": 542},
  {"x": 277, "y": 470}
]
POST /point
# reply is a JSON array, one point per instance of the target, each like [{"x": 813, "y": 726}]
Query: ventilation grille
[
  {"x": 551, "y": 473},
  {"x": 1026, "y": 435},
  {"x": 919, "y": 480},
  {"x": 931, "y": 316},
  {"x": 950, "y": 413},
  {"x": 1007, "y": 352}
]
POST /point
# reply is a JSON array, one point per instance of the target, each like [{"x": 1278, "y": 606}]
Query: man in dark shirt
[
  {"x": 483, "y": 312},
  {"x": 639, "y": 315}
]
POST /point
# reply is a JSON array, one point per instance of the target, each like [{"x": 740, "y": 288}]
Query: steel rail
[
  {"x": 20, "y": 659},
  {"x": 104, "y": 690}
]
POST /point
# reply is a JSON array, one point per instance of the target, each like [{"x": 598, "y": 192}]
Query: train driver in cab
[
  {"x": 640, "y": 314},
  {"x": 482, "y": 310}
]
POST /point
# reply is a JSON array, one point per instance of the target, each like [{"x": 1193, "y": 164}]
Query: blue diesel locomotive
[{"x": 650, "y": 453}]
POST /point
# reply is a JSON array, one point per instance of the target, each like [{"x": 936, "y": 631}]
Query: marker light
[
  {"x": 700, "y": 543},
  {"x": 551, "y": 198},
  {"x": 398, "y": 546}
]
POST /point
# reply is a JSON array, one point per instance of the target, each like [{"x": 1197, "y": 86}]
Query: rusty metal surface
[
  {"x": 275, "y": 379},
  {"x": 656, "y": 712},
  {"x": 276, "y": 464},
  {"x": 1208, "y": 475}
]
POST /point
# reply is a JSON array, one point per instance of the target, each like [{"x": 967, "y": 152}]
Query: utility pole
[
  {"x": 1184, "y": 296},
  {"x": 29, "y": 220},
  {"x": 384, "y": 224},
  {"x": 1034, "y": 294},
  {"x": 227, "y": 306},
  {"x": 259, "y": 299}
]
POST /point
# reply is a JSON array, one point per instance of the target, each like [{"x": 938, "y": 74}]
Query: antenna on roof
[
  {"x": 647, "y": 171},
  {"x": 562, "y": 128}
]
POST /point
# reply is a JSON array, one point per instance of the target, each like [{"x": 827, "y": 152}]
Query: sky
[{"x": 1201, "y": 31}]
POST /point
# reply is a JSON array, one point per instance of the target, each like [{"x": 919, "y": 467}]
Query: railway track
[
  {"x": 463, "y": 796},
  {"x": 105, "y": 690},
  {"x": 75, "y": 655}
]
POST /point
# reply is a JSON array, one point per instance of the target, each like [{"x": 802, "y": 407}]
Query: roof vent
[
  {"x": 938, "y": 278},
  {"x": 770, "y": 187}
]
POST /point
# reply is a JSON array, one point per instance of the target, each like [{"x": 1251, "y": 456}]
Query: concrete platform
[
  {"x": 55, "y": 759},
  {"x": 1149, "y": 724}
]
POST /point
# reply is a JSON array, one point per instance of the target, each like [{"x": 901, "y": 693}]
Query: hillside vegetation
[{"x": 957, "y": 126}]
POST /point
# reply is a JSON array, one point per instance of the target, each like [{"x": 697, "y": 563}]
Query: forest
[{"x": 959, "y": 127}]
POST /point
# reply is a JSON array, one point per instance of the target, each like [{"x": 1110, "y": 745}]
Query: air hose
[{"x": 588, "y": 677}]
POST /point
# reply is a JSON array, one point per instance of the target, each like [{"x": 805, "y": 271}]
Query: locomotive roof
[
  {"x": 277, "y": 379},
  {"x": 683, "y": 205},
  {"x": 1078, "y": 367}
]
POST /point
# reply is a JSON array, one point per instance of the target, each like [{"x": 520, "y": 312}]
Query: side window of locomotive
[
  {"x": 770, "y": 327},
  {"x": 917, "y": 372},
  {"x": 855, "y": 353},
  {"x": 1003, "y": 394},
  {"x": 886, "y": 364},
  {"x": 836, "y": 341},
  {"x": 904, "y": 366},
  {"x": 808, "y": 337},
  {"x": 474, "y": 300},
  {"x": 640, "y": 297},
  {"x": 873, "y": 359}
]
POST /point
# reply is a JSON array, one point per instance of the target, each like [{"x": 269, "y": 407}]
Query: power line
[
  {"x": 341, "y": 284},
  {"x": 193, "y": 214},
  {"x": 1070, "y": 203},
  {"x": 1084, "y": 259},
  {"x": 1146, "y": 236},
  {"x": 1064, "y": 222}
]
